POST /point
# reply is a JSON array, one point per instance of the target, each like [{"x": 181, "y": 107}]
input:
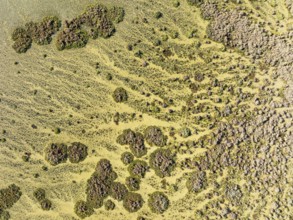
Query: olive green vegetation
[
  {"x": 137, "y": 147},
  {"x": 120, "y": 95},
  {"x": 116, "y": 14},
  {"x": 133, "y": 202},
  {"x": 154, "y": 136},
  {"x": 100, "y": 185},
  {"x": 127, "y": 158},
  {"x": 138, "y": 168},
  {"x": 40, "y": 194},
  {"x": 163, "y": 162},
  {"x": 105, "y": 171},
  {"x": 98, "y": 18},
  {"x": 4, "y": 215},
  {"x": 77, "y": 152},
  {"x": 185, "y": 132},
  {"x": 127, "y": 137},
  {"x": 195, "y": 2},
  {"x": 9, "y": 196},
  {"x": 109, "y": 205},
  {"x": 132, "y": 182},
  {"x": 135, "y": 140},
  {"x": 158, "y": 202},
  {"x": 46, "y": 204},
  {"x": 118, "y": 191},
  {"x": 197, "y": 181},
  {"x": 82, "y": 209},
  {"x": 40, "y": 33},
  {"x": 76, "y": 39},
  {"x": 56, "y": 154}
]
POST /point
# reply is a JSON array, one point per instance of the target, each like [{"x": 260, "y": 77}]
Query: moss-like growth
[
  {"x": 68, "y": 39},
  {"x": 104, "y": 170},
  {"x": 137, "y": 147},
  {"x": 195, "y": 2},
  {"x": 97, "y": 188},
  {"x": 120, "y": 95},
  {"x": 77, "y": 152},
  {"x": 138, "y": 168},
  {"x": 109, "y": 205},
  {"x": 185, "y": 132},
  {"x": 56, "y": 130},
  {"x": 94, "y": 201},
  {"x": 116, "y": 14},
  {"x": 100, "y": 183},
  {"x": 106, "y": 28},
  {"x": 4, "y": 215},
  {"x": 9, "y": 196},
  {"x": 155, "y": 136},
  {"x": 41, "y": 32},
  {"x": 135, "y": 140},
  {"x": 127, "y": 158},
  {"x": 38, "y": 32},
  {"x": 26, "y": 157},
  {"x": 40, "y": 194},
  {"x": 118, "y": 191},
  {"x": 197, "y": 181},
  {"x": 46, "y": 204},
  {"x": 22, "y": 40},
  {"x": 233, "y": 193},
  {"x": 97, "y": 19},
  {"x": 82, "y": 209},
  {"x": 158, "y": 202},
  {"x": 132, "y": 183},
  {"x": 127, "y": 137},
  {"x": 162, "y": 161},
  {"x": 132, "y": 202},
  {"x": 158, "y": 14},
  {"x": 56, "y": 154}
]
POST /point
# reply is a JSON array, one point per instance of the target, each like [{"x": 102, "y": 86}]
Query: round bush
[
  {"x": 132, "y": 202},
  {"x": 82, "y": 209},
  {"x": 56, "y": 154},
  {"x": 132, "y": 183},
  {"x": 77, "y": 152},
  {"x": 118, "y": 191},
  {"x": 155, "y": 136},
  {"x": 138, "y": 168},
  {"x": 158, "y": 202}
]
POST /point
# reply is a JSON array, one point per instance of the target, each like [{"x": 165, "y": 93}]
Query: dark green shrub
[
  {"x": 104, "y": 170},
  {"x": 120, "y": 95},
  {"x": 162, "y": 161},
  {"x": 127, "y": 158},
  {"x": 82, "y": 209},
  {"x": 56, "y": 154},
  {"x": 154, "y": 136},
  {"x": 132, "y": 183},
  {"x": 197, "y": 181},
  {"x": 40, "y": 194},
  {"x": 118, "y": 191},
  {"x": 109, "y": 205},
  {"x": 137, "y": 147},
  {"x": 46, "y": 204},
  {"x": 138, "y": 168},
  {"x": 77, "y": 152},
  {"x": 9, "y": 196},
  {"x": 158, "y": 202},
  {"x": 132, "y": 202}
]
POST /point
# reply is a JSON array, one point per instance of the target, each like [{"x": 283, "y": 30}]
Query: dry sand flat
[{"x": 241, "y": 109}]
